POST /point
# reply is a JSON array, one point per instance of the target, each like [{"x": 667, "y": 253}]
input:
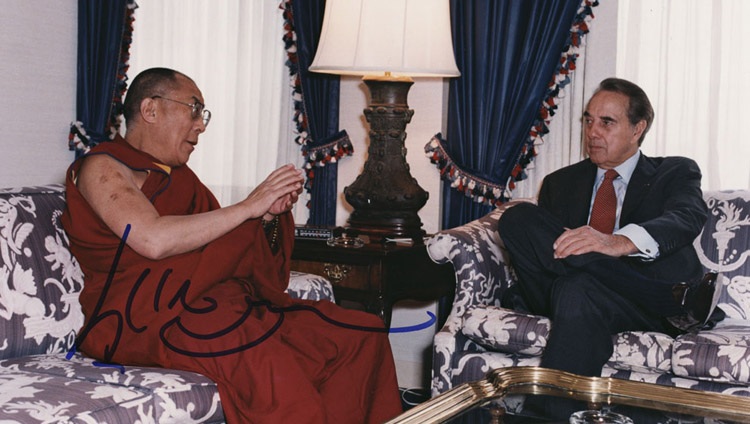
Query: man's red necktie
[{"x": 604, "y": 211}]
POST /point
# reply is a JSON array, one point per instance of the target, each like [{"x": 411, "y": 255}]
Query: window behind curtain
[
  {"x": 691, "y": 58},
  {"x": 233, "y": 50}
]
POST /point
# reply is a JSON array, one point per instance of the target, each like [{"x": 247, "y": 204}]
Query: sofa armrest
[
  {"x": 482, "y": 274},
  {"x": 479, "y": 259},
  {"x": 446, "y": 343}
]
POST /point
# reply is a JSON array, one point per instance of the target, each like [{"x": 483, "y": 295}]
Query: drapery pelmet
[{"x": 515, "y": 56}]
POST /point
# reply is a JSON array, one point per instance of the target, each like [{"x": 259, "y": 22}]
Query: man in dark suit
[{"x": 637, "y": 272}]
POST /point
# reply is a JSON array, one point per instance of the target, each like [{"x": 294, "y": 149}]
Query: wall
[{"x": 37, "y": 88}]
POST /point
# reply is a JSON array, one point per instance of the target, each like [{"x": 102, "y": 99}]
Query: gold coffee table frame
[{"x": 595, "y": 390}]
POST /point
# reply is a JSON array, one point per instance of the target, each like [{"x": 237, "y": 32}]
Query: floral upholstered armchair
[{"x": 479, "y": 335}]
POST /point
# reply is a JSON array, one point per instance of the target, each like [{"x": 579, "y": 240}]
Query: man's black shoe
[{"x": 698, "y": 302}]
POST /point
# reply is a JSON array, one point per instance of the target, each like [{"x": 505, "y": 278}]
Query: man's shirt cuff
[{"x": 648, "y": 248}]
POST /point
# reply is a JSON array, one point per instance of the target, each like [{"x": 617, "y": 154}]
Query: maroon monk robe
[{"x": 222, "y": 311}]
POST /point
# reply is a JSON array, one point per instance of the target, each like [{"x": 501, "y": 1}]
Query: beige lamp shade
[{"x": 373, "y": 37}]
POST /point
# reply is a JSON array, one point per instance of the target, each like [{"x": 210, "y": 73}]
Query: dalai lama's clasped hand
[{"x": 277, "y": 194}]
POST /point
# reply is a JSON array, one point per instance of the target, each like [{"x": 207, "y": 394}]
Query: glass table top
[{"x": 594, "y": 391}]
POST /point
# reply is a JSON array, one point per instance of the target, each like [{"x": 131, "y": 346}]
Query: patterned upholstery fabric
[
  {"x": 309, "y": 286},
  {"x": 508, "y": 331},
  {"x": 39, "y": 316},
  {"x": 719, "y": 354},
  {"x": 642, "y": 351},
  {"x": 51, "y": 388},
  {"x": 479, "y": 335}
]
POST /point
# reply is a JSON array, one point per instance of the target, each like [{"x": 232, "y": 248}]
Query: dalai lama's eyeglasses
[{"x": 198, "y": 109}]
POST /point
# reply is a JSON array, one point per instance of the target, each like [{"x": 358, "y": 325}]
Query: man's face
[
  {"x": 609, "y": 137},
  {"x": 180, "y": 130}
]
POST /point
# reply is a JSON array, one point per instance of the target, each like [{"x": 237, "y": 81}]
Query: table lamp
[{"x": 387, "y": 42}]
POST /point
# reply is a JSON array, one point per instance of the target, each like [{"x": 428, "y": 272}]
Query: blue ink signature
[{"x": 109, "y": 350}]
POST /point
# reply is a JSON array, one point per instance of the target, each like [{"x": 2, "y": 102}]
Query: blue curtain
[
  {"x": 104, "y": 36},
  {"x": 508, "y": 52},
  {"x": 317, "y": 115}
]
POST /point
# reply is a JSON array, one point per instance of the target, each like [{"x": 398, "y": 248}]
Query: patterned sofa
[
  {"x": 40, "y": 382},
  {"x": 479, "y": 335}
]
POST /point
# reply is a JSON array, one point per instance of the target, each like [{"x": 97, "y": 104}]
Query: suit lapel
[
  {"x": 580, "y": 200},
  {"x": 638, "y": 187}
]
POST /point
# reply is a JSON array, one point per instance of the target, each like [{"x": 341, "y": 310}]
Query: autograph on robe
[{"x": 99, "y": 315}]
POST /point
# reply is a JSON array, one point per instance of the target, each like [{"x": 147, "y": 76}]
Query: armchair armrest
[
  {"x": 474, "y": 250},
  {"x": 482, "y": 274},
  {"x": 479, "y": 259}
]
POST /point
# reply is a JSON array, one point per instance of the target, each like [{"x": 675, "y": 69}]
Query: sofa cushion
[
  {"x": 642, "y": 351},
  {"x": 39, "y": 279},
  {"x": 505, "y": 330},
  {"x": 51, "y": 388},
  {"x": 724, "y": 246},
  {"x": 508, "y": 331},
  {"x": 720, "y": 354}
]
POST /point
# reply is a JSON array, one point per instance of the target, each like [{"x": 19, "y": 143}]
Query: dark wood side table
[{"x": 378, "y": 275}]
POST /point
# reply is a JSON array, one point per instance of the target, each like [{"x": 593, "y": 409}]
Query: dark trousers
[{"x": 588, "y": 297}]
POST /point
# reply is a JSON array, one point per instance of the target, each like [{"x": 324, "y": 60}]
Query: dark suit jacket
[{"x": 663, "y": 196}]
